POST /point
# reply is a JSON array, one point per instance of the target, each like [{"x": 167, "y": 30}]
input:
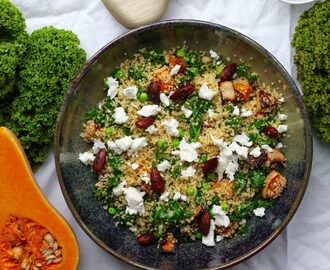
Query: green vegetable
[
  {"x": 203, "y": 158},
  {"x": 112, "y": 211},
  {"x": 257, "y": 179},
  {"x": 311, "y": 42},
  {"x": 52, "y": 60},
  {"x": 218, "y": 70},
  {"x": 143, "y": 97},
  {"x": 198, "y": 235},
  {"x": 127, "y": 131},
  {"x": 180, "y": 53},
  {"x": 175, "y": 172},
  {"x": 181, "y": 132},
  {"x": 136, "y": 73},
  {"x": 190, "y": 191},
  {"x": 108, "y": 132},
  {"x": 162, "y": 144},
  {"x": 119, "y": 73},
  {"x": 224, "y": 206},
  {"x": 206, "y": 186},
  {"x": 211, "y": 213},
  {"x": 175, "y": 143},
  {"x": 244, "y": 71},
  {"x": 240, "y": 184},
  {"x": 154, "y": 57}
]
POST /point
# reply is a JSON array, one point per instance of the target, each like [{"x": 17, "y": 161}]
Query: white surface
[{"x": 305, "y": 244}]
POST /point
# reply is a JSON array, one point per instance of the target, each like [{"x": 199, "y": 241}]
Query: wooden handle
[{"x": 134, "y": 13}]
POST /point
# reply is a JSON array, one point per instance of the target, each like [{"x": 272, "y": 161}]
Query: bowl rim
[{"x": 192, "y": 23}]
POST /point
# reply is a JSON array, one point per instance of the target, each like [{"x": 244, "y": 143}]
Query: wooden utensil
[{"x": 134, "y": 13}]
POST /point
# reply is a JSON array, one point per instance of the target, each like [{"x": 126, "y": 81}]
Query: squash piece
[{"x": 23, "y": 203}]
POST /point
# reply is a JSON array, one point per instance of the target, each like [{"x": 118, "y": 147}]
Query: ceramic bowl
[{"x": 77, "y": 181}]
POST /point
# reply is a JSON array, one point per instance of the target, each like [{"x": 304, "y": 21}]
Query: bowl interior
[{"x": 77, "y": 181}]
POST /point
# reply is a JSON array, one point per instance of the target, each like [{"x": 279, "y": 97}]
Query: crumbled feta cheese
[
  {"x": 149, "y": 110},
  {"x": 206, "y": 93},
  {"x": 267, "y": 148},
  {"x": 245, "y": 113},
  {"x": 187, "y": 151},
  {"x": 184, "y": 198},
  {"x": 187, "y": 113},
  {"x": 209, "y": 239},
  {"x": 189, "y": 172},
  {"x": 214, "y": 55},
  {"x": 134, "y": 200},
  {"x": 259, "y": 212},
  {"x": 241, "y": 151},
  {"x": 137, "y": 144},
  {"x": 171, "y": 126},
  {"x": 282, "y": 128},
  {"x": 120, "y": 145},
  {"x": 177, "y": 196},
  {"x": 281, "y": 100},
  {"x": 87, "y": 158},
  {"x": 211, "y": 113},
  {"x": 120, "y": 115},
  {"x": 145, "y": 178},
  {"x": 119, "y": 189},
  {"x": 282, "y": 116},
  {"x": 135, "y": 166},
  {"x": 98, "y": 145},
  {"x": 133, "y": 229},
  {"x": 164, "y": 100},
  {"x": 218, "y": 238},
  {"x": 256, "y": 152},
  {"x": 113, "y": 87},
  {"x": 152, "y": 129},
  {"x": 163, "y": 166},
  {"x": 164, "y": 196},
  {"x": 220, "y": 217},
  {"x": 242, "y": 222},
  {"x": 130, "y": 92},
  {"x": 279, "y": 146},
  {"x": 175, "y": 70},
  {"x": 236, "y": 111},
  {"x": 243, "y": 139}
]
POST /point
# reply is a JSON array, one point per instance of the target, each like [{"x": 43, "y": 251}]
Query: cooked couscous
[{"x": 186, "y": 145}]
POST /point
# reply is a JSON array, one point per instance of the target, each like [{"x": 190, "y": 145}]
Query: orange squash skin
[{"x": 21, "y": 196}]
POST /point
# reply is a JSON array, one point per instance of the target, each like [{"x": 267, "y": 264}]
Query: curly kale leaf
[{"x": 311, "y": 42}]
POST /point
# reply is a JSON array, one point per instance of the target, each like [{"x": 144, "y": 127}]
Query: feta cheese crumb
[
  {"x": 113, "y": 87},
  {"x": 281, "y": 100},
  {"x": 187, "y": 151},
  {"x": 259, "y": 212},
  {"x": 135, "y": 166},
  {"x": 267, "y": 148},
  {"x": 243, "y": 139},
  {"x": 206, "y": 93},
  {"x": 87, "y": 158},
  {"x": 236, "y": 111},
  {"x": 175, "y": 70},
  {"x": 189, "y": 172},
  {"x": 245, "y": 113},
  {"x": 221, "y": 219},
  {"x": 164, "y": 196},
  {"x": 164, "y": 100},
  {"x": 184, "y": 198},
  {"x": 149, "y": 110},
  {"x": 98, "y": 145},
  {"x": 177, "y": 196},
  {"x": 119, "y": 189},
  {"x": 152, "y": 129},
  {"x": 256, "y": 152},
  {"x": 241, "y": 151},
  {"x": 137, "y": 144},
  {"x": 211, "y": 113},
  {"x": 187, "y": 113},
  {"x": 171, "y": 126},
  {"x": 120, "y": 115},
  {"x": 218, "y": 238},
  {"x": 145, "y": 178},
  {"x": 282, "y": 128},
  {"x": 130, "y": 92},
  {"x": 282, "y": 116},
  {"x": 163, "y": 166},
  {"x": 127, "y": 144},
  {"x": 214, "y": 55},
  {"x": 279, "y": 146},
  {"x": 209, "y": 239},
  {"x": 134, "y": 200}
]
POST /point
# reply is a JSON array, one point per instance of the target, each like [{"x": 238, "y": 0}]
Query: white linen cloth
[{"x": 305, "y": 243}]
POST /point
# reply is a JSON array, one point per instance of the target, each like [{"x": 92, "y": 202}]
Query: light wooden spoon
[{"x": 134, "y": 13}]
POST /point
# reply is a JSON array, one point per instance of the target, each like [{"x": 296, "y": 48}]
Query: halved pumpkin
[{"x": 23, "y": 202}]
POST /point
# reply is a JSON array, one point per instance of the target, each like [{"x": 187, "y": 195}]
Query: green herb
[
  {"x": 175, "y": 172},
  {"x": 136, "y": 73},
  {"x": 127, "y": 131},
  {"x": 119, "y": 73},
  {"x": 243, "y": 230},
  {"x": 175, "y": 143},
  {"x": 235, "y": 122},
  {"x": 257, "y": 179},
  {"x": 181, "y": 132},
  {"x": 206, "y": 186},
  {"x": 240, "y": 182},
  {"x": 198, "y": 235},
  {"x": 190, "y": 190},
  {"x": 180, "y": 53},
  {"x": 162, "y": 144},
  {"x": 95, "y": 115},
  {"x": 312, "y": 50},
  {"x": 244, "y": 71},
  {"x": 224, "y": 206},
  {"x": 203, "y": 158},
  {"x": 218, "y": 70},
  {"x": 154, "y": 57}
]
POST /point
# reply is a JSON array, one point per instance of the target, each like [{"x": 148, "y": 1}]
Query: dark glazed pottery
[{"x": 77, "y": 181}]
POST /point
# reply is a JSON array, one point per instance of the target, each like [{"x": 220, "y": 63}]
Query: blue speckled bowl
[{"x": 77, "y": 181}]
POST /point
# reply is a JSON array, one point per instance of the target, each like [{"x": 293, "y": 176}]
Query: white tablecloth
[{"x": 305, "y": 243}]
